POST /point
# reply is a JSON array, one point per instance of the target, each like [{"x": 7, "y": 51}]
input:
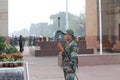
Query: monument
[
  {"x": 110, "y": 22},
  {"x": 59, "y": 35},
  {"x": 48, "y": 48},
  {"x": 4, "y": 18}
]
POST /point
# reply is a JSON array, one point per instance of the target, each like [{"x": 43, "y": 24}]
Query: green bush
[
  {"x": 11, "y": 50},
  {"x": 6, "y": 48},
  {"x": 2, "y": 44}
]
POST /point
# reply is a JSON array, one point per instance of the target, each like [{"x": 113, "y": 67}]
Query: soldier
[{"x": 70, "y": 60}]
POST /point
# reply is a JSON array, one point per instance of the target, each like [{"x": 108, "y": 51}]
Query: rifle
[{"x": 59, "y": 45}]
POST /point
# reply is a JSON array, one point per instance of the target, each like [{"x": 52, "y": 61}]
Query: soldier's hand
[
  {"x": 68, "y": 62},
  {"x": 69, "y": 70},
  {"x": 60, "y": 53},
  {"x": 59, "y": 45}
]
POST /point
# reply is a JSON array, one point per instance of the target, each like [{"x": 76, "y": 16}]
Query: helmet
[{"x": 69, "y": 31}]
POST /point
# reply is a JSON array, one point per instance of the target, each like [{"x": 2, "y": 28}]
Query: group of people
[
  {"x": 15, "y": 41},
  {"x": 22, "y": 41}
]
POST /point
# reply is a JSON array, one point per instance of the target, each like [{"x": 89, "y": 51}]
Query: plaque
[{"x": 12, "y": 73}]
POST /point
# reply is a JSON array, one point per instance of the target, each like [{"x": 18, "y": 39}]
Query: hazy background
[{"x": 23, "y": 14}]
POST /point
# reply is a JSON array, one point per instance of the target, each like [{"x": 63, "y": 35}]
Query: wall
[
  {"x": 91, "y": 23},
  {"x": 4, "y": 17},
  {"x": 110, "y": 22},
  {"x": 117, "y": 18}
]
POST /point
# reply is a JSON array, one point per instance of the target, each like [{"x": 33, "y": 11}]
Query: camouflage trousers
[{"x": 69, "y": 75}]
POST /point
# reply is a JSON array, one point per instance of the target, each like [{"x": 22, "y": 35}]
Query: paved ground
[{"x": 46, "y": 68}]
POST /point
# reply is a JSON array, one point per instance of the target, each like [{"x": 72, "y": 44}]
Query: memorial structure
[
  {"x": 110, "y": 32},
  {"x": 4, "y": 18},
  {"x": 110, "y": 22}
]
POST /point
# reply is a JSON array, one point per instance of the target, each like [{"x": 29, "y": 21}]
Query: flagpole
[
  {"x": 67, "y": 26},
  {"x": 100, "y": 25}
]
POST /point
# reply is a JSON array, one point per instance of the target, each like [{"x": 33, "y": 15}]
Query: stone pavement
[{"x": 46, "y": 68}]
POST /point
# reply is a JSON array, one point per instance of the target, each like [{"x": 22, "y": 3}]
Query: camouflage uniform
[{"x": 71, "y": 49}]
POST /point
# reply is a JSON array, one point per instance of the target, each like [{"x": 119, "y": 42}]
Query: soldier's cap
[{"x": 69, "y": 31}]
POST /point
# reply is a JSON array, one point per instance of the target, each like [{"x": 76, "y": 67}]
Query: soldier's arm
[{"x": 74, "y": 53}]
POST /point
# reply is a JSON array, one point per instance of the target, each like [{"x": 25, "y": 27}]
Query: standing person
[
  {"x": 16, "y": 41},
  {"x": 33, "y": 41},
  {"x": 21, "y": 43},
  {"x": 30, "y": 40},
  {"x": 71, "y": 49}
]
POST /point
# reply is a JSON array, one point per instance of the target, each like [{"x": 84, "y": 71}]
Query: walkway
[{"x": 46, "y": 68}]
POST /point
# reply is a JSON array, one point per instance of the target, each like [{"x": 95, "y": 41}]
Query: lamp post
[
  {"x": 100, "y": 25},
  {"x": 67, "y": 26},
  {"x": 59, "y": 23}
]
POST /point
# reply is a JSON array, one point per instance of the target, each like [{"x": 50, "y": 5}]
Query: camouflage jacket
[{"x": 71, "y": 48}]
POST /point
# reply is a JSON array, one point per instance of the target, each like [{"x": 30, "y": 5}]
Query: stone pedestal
[
  {"x": 50, "y": 48},
  {"x": 95, "y": 59}
]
